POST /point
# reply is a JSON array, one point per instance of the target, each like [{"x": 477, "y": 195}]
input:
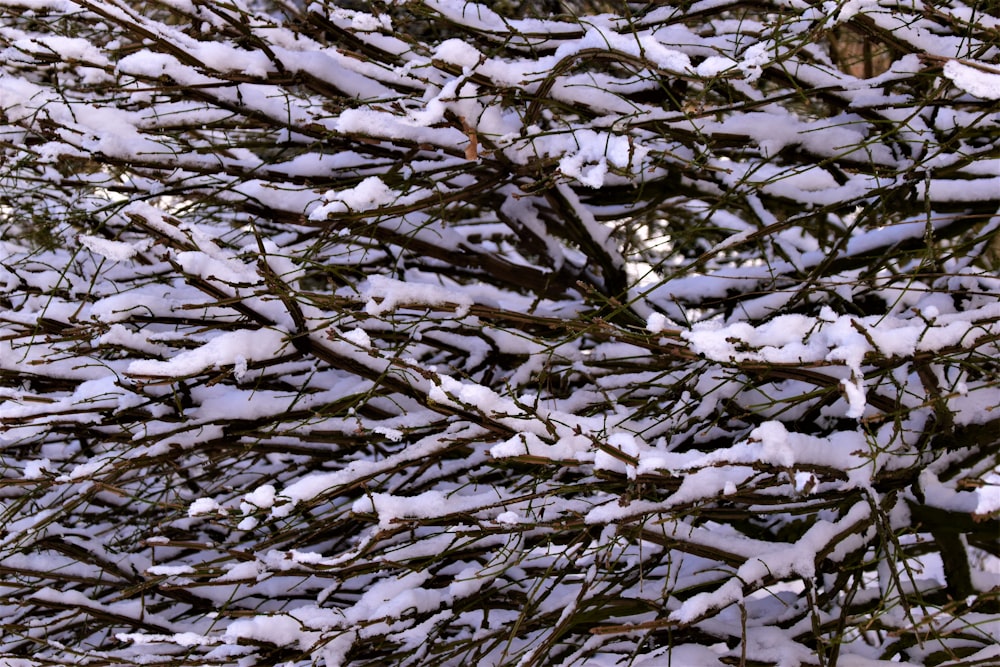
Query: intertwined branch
[{"x": 432, "y": 333}]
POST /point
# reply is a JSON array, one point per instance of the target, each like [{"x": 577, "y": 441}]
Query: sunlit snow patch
[{"x": 975, "y": 81}]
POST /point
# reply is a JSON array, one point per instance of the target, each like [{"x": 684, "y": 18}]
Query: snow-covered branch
[{"x": 450, "y": 333}]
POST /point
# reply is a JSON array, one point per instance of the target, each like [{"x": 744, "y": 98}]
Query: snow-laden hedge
[{"x": 419, "y": 333}]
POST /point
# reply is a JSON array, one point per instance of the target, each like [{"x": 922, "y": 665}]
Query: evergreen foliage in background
[{"x": 440, "y": 333}]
